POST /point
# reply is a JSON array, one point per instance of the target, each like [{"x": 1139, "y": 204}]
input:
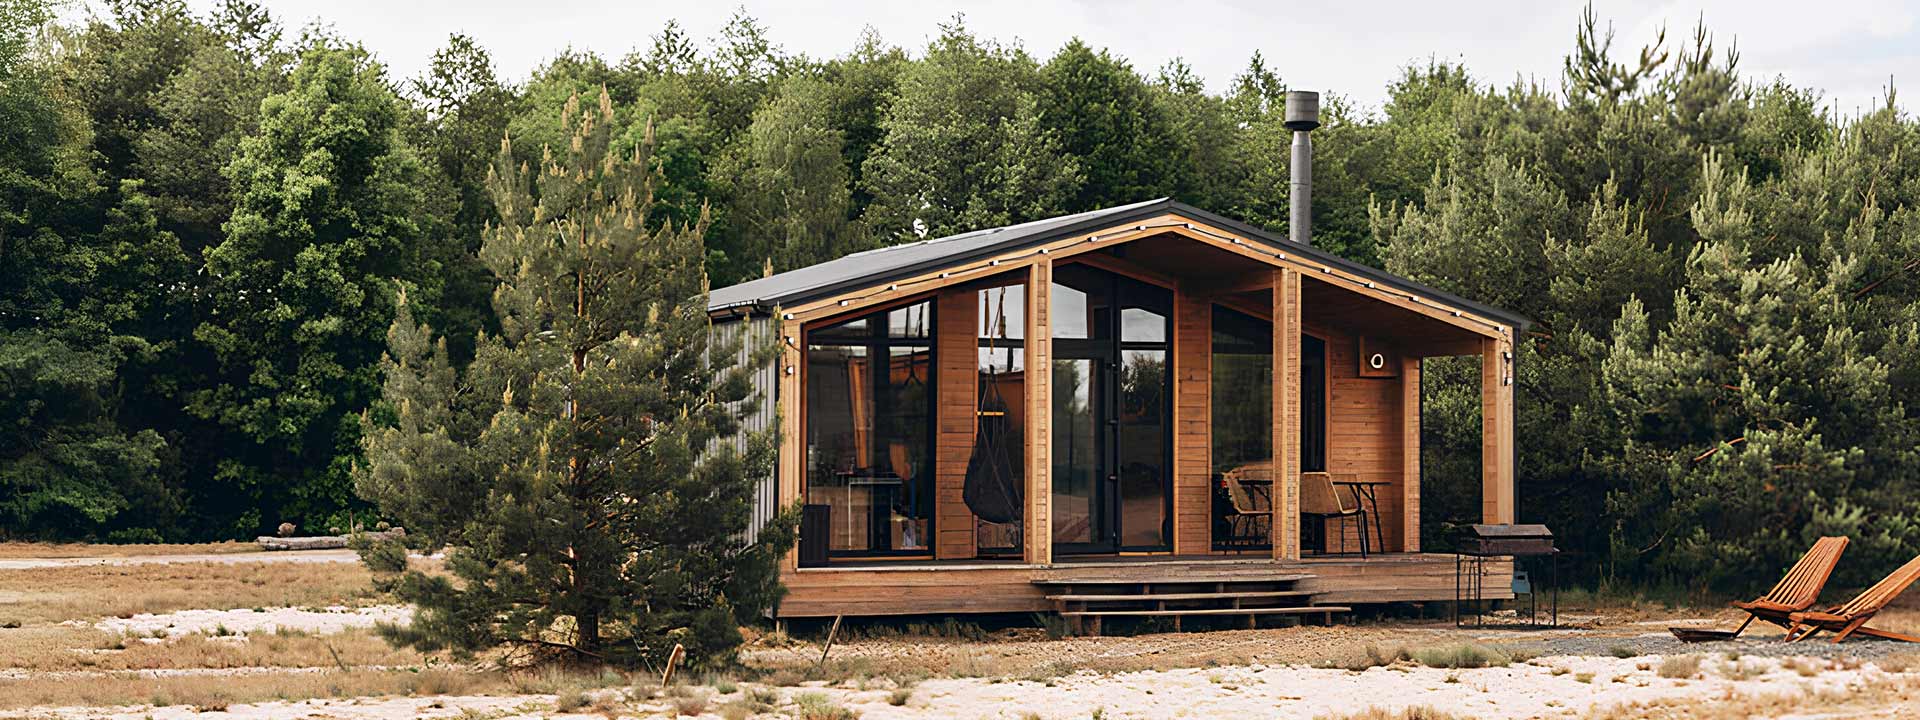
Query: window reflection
[
  {"x": 995, "y": 489},
  {"x": 869, "y": 421}
]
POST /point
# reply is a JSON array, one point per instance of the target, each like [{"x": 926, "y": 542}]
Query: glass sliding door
[
  {"x": 1142, "y": 449},
  {"x": 996, "y": 473},
  {"x": 1078, "y": 462},
  {"x": 1242, "y": 399},
  {"x": 1112, "y": 469}
]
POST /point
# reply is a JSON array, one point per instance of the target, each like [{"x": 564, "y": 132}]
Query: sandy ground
[
  {"x": 1546, "y": 688},
  {"x": 323, "y": 621},
  {"x": 1601, "y": 660},
  {"x": 1554, "y": 687}
]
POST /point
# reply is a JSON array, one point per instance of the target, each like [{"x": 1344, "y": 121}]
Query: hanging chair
[{"x": 995, "y": 489}]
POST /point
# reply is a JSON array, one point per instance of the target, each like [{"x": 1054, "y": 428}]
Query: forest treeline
[{"x": 207, "y": 219}]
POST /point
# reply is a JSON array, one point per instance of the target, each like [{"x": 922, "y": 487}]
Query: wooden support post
[
  {"x": 1038, "y": 540},
  {"x": 1192, "y": 423},
  {"x": 1286, "y": 414},
  {"x": 1496, "y": 431},
  {"x": 1409, "y": 454},
  {"x": 833, "y": 632},
  {"x": 956, "y": 407},
  {"x": 790, "y": 466}
]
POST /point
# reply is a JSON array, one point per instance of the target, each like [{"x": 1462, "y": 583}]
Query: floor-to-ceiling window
[
  {"x": 995, "y": 489},
  {"x": 1242, "y": 394},
  {"x": 869, "y": 428}
]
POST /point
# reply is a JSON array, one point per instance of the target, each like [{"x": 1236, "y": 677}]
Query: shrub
[
  {"x": 1680, "y": 666},
  {"x": 817, "y": 706},
  {"x": 571, "y": 700},
  {"x": 1461, "y": 656}
]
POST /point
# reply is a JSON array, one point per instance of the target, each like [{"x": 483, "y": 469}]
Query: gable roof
[{"x": 887, "y": 264}]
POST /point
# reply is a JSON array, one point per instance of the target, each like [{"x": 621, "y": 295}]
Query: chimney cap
[{"x": 1303, "y": 110}]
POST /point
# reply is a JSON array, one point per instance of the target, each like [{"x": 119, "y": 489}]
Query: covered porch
[{"x": 941, "y": 474}]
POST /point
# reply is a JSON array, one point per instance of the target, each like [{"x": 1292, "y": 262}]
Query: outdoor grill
[
  {"x": 1529, "y": 546},
  {"x": 1507, "y": 540}
]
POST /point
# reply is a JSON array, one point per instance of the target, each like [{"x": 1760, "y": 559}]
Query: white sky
[{"x": 1846, "y": 48}]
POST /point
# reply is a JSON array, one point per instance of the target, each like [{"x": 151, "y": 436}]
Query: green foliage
[
  {"x": 326, "y": 213},
  {"x": 788, "y": 187},
  {"x": 1104, "y": 116},
  {"x": 965, "y": 146},
  {"x": 569, "y": 465}
]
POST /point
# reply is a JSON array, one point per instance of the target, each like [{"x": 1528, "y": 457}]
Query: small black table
[{"x": 1364, "y": 493}]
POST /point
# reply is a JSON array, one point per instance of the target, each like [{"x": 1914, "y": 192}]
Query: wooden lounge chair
[
  {"x": 1845, "y": 620},
  {"x": 1799, "y": 590}
]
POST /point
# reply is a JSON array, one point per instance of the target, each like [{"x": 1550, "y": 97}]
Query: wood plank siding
[
  {"x": 1192, "y": 423},
  {"x": 932, "y": 589},
  {"x": 956, "y": 351}
]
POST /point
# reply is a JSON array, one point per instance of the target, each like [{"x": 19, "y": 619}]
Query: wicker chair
[
  {"x": 1249, "y": 515},
  {"x": 1320, "y": 500}
]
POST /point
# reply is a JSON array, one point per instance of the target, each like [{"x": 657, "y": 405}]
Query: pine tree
[{"x": 571, "y": 467}]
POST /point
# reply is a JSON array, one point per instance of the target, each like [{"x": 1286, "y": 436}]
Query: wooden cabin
[{"x": 1080, "y": 414}]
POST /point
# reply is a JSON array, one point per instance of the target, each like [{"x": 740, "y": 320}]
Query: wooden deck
[{"x": 975, "y": 586}]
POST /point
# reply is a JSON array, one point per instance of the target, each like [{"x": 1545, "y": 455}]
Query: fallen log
[{"x": 325, "y": 542}]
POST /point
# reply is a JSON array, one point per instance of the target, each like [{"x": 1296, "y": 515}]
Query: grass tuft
[
  {"x": 1462, "y": 656},
  {"x": 1677, "y": 667},
  {"x": 817, "y": 706}
]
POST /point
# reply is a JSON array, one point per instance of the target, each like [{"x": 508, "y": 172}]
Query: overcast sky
[{"x": 1846, "y": 48}]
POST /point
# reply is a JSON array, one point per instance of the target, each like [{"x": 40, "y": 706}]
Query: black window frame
[{"x": 879, "y": 343}]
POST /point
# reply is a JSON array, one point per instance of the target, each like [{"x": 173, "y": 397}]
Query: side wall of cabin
[{"x": 746, "y": 334}]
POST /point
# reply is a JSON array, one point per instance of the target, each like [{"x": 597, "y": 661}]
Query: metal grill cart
[{"x": 1530, "y": 547}]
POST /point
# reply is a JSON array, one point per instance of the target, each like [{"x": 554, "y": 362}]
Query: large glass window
[
  {"x": 1243, "y": 422},
  {"x": 869, "y": 417},
  {"x": 996, "y": 473},
  {"x": 1242, "y": 390},
  {"x": 1313, "y": 404}
]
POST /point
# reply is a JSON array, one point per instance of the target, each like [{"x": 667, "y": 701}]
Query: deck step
[
  {"x": 1171, "y": 578},
  {"x": 1183, "y": 596},
  {"x": 1211, "y": 611}
]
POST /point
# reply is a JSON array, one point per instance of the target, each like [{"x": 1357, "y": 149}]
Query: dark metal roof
[{"x": 873, "y": 267}]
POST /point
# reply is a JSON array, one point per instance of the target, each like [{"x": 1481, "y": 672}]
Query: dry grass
[
  {"x": 15, "y": 550},
  {"x": 51, "y": 595},
  {"x": 1375, "y": 713},
  {"x": 1871, "y": 700},
  {"x": 1462, "y": 656},
  {"x": 210, "y": 691},
  {"x": 65, "y": 648},
  {"x": 1679, "y": 667},
  {"x": 816, "y": 706}
]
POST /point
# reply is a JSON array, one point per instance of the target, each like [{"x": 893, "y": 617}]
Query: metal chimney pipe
[{"x": 1302, "y": 116}]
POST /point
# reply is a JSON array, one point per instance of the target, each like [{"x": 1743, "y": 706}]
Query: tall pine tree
[{"x": 570, "y": 467}]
